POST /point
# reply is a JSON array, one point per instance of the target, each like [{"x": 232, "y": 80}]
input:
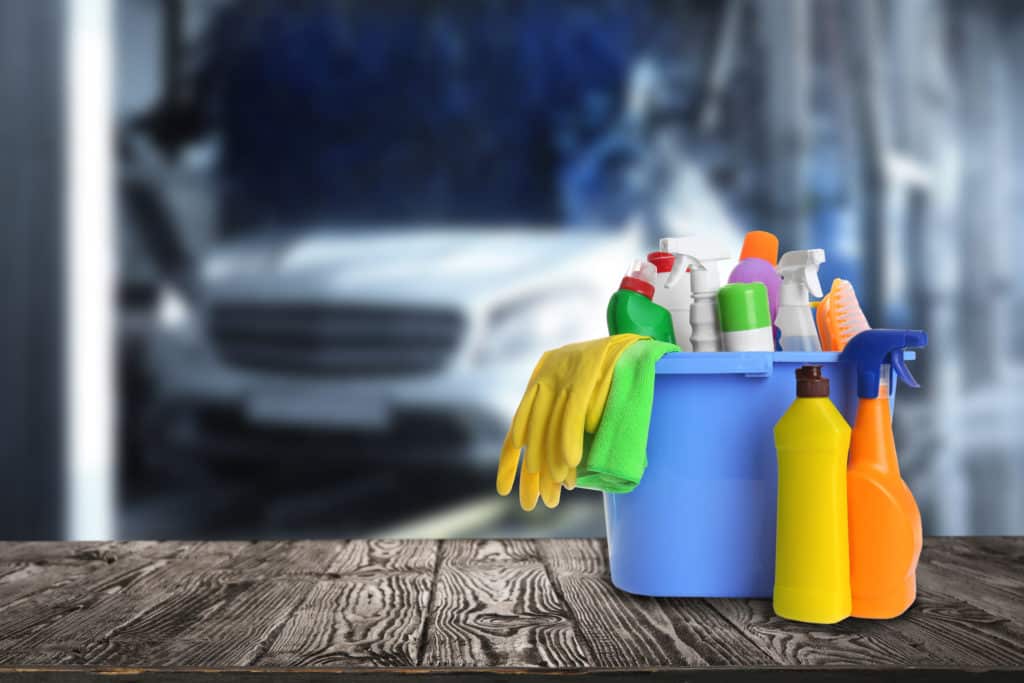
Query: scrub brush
[{"x": 840, "y": 318}]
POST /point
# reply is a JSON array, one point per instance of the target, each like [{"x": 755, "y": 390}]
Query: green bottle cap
[{"x": 743, "y": 306}]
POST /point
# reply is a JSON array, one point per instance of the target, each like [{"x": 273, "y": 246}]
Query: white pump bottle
[
  {"x": 799, "y": 273},
  {"x": 698, "y": 320}
]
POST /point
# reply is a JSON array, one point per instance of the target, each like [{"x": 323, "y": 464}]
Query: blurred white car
[{"x": 415, "y": 337}]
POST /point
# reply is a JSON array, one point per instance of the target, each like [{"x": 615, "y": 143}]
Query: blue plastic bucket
[{"x": 702, "y": 521}]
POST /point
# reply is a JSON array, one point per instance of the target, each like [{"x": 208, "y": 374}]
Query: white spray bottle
[
  {"x": 799, "y": 273},
  {"x": 699, "y": 319}
]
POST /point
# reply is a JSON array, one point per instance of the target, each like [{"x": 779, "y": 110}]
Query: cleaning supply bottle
[
  {"x": 675, "y": 299},
  {"x": 631, "y": 310},
  {"x": 757, "y": 264},
  {"x": 745, "y": 321},
  {"x": 885, "y": 524},
  {"x": 812, "y": 563},
  {"x": 799, "y": 273},
  {"x": 698, "y": 319}
]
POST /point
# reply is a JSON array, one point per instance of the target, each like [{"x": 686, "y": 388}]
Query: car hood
[{"x": 423, "y": 265}]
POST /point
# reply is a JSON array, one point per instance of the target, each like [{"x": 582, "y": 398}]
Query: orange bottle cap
[{"x": 762, "y": 245}]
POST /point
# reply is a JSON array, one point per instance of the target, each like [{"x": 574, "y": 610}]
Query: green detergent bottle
[{"x": 631, "y": 309}]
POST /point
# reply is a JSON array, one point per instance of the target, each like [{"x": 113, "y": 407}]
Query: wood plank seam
[
  {"x": 47, "y": 587},
  {"x": 266, "y": 643},
  {"x": 498, "y": 606},
  {"x": 495, "y": 607},
  {"x": 428, "y": 619},
  {"x": 45, "y": 619},
  {"x": 964, "y": 626},
  {"x": 112, "y": 567},
  {"x": 556, "y": 586},
  {"x": 1001, "y": 600},
  {"x": 264, "y": 646},
  {"x": 744, "y": 633},
  {"x": 904, "y": 638},
  {"x": 662, "y": 631},
  {"x": 367, "y": 612},
  {"x": 112, "y": 633}
]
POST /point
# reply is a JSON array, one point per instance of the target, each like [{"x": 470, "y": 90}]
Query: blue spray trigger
[
  {"x": 902, "y": 371},
  {"x": 873, "y": 348}
]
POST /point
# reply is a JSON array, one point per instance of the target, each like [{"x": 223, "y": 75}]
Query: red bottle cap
[
  {"x": 635, "y": 284},
  {"x": 662, "y": 260}
]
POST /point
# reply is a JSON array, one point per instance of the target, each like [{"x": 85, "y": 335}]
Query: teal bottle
[{"x": 631, "y": 309}]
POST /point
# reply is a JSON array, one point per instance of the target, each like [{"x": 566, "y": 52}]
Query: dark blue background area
[{"x": 405, "y": 110}]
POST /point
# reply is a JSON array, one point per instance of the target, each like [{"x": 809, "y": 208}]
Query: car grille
[{"x": 338, "y": 340}]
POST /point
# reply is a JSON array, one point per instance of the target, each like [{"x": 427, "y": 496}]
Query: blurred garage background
[{"x": 281, "y": 269}]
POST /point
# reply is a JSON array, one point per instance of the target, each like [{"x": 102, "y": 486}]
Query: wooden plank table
[{"x": 517, "y": 609}]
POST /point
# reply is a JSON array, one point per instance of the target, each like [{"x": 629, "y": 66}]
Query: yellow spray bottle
[{"x": 812, "y": 555}]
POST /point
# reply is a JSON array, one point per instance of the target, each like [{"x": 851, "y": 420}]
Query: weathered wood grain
[
  {"x": 23, "y": 619},
  {"x": 628, "y": 630},
  {"x": 47, "y": 552},
  {"x": 494, "y": 606},
  {"x": 78, "y": 552},
  {"x": 176, "y": 610},
  {"x": 368, "y": 609},
  {"x": 979, "y": 562},
  {"x": 39, "y": 567},
  {"x": 981, "y": 554},
  {"x": 25, "y": 579},
  {"x": 206, "y": 617},
  {"x": 150, "y": 633},
  {"x": 62, "y": 625},
  {"x": 436, "y": 675},
  {"x": 993, "y": 592},
  {"x": 850, "y": 643},
  {"x": 935, "y": 630},
  {"x": 965, "y": 632}
]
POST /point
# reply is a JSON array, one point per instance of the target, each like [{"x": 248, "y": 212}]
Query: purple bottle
[{"x": 758, "y": 257}]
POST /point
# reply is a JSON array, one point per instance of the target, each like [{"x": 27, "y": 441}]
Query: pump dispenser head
[
  {"x": 810, "y": 383},
  {"x": 873, "y": 349},
  {"x": 760, "y": 244}
]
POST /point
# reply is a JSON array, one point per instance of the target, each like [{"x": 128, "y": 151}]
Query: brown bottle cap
[{"x": 810, "y": 383}]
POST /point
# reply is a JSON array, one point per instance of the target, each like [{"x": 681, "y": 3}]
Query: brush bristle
[{"x": 840, "y": 316}]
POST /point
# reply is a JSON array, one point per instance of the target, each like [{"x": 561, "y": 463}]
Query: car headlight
[
  {"x": 527, "y": 326},
  {"x": 173, "y": 311},
  {"x": 220, "y": 266}
]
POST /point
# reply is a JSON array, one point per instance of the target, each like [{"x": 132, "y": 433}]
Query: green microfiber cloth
[{"x": 615, "y": 457}]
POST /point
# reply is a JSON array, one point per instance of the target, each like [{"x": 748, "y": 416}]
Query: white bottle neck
[{"x": 794, "y": 294}]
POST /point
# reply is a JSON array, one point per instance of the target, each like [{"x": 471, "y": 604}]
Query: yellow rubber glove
[{"x": 565, "y": 397}]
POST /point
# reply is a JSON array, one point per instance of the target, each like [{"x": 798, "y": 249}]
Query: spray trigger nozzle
[
  {"x": 800, "y": 268},
  {"x": 696, "y": 252},
  {"x": 813, "y": 283},
  {"x": 871, "y": 349},
  {"x": 899, "y": 364},
  {"x": 681, "y": 266}
]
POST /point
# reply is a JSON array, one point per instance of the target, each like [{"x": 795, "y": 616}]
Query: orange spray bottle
[{"x": 884, "y": 522}]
